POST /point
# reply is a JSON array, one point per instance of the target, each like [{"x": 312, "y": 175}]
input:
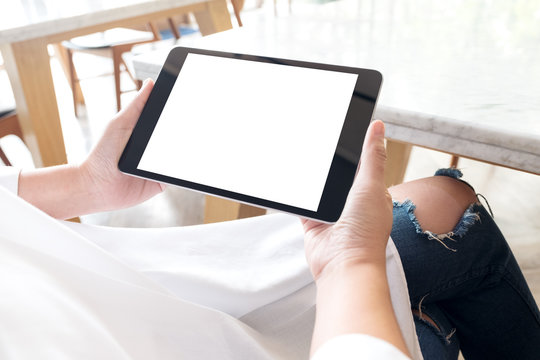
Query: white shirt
[
  {"x": 236, "y": 290},
  {"x": 357, "y": 346},
  {"x": 9, "y": 178}
]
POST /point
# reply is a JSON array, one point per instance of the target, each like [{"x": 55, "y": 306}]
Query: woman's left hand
[
  {"x": 114, "y": 189},
  {"x": 67, "y": 191}
]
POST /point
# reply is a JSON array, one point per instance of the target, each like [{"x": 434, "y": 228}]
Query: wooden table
[
  {"x": 26, "y": 28},
  {"x": 459, "y": 79}
]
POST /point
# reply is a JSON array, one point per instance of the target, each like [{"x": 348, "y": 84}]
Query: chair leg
[
  {"x": 174, "y": 29},
  {"x": 117, "y": 60},
  {"x": 237, "y": 6},
  {"x": 4, "y": 158},
  {"x": 398, "y": 159},
  {"x": 73, "y": 81},
  {"x": 454, "y": 161},
  {"x": 65, "y": 57},
  {"x": 122, "y": 62},
  {"x": 9, "y": 124},
  {"x": 154, "y": 29},
  {"x": 186, "y": 19}
]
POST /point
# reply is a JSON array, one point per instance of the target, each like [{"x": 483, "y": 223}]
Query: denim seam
[{"x": 512, "y": 282}]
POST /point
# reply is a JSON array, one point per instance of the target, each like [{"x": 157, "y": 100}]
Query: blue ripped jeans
[{"x": 469, "y": 283}]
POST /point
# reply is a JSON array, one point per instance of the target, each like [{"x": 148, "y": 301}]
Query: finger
[
  {"x": 142, "y": 96},
  {"x": 373, "y": 158},
  {"x": 371, "y": 168},
  {"x": 131, "y": 113}
]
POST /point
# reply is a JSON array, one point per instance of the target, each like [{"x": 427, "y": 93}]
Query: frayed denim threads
[
  {"x": 469, "y": 217},
  {"x": 450, "y": 172},
  {"x": 468, "y": 298}
]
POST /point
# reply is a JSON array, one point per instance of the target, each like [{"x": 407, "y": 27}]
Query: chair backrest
[{"x": 9, "y": 125}]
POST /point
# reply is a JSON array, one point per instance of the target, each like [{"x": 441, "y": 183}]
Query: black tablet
[{"x": 275, "y": 133}]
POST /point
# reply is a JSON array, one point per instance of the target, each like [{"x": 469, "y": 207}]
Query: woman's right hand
[
  {"x": 348, "y": 259},
  {"x": 362, "y": 232}
]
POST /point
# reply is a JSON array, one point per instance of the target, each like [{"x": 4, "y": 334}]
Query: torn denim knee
[{"x": 469, "y": 218}]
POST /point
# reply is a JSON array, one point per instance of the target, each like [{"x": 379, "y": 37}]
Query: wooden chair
[
  {"x": 111, "y": 43},
  {"x": 9, "y": 125},
  {"x": 454, "y": 161},
  {"x": 238, "y": 5},
  {"x": 115, "y": 43}
]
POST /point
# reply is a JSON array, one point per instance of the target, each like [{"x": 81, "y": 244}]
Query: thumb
[
  {"x": 130, "y": 114},
  {"x": 373, "y": 158}
]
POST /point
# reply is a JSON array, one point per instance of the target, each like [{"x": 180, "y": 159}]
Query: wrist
[
  {"x": 60, "y": 190},
  {"x": 348, "y": 269},
  {"x": 350, "y": 262},
  {"x": 355, "y": 298},
  {"x": 75, "y": 196},
  {"x": 92, "y": 186}
]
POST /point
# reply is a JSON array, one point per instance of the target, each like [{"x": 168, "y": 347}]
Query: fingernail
[
  {"x": 145, "y": 82},
  {"x": 379, "y": 128}
]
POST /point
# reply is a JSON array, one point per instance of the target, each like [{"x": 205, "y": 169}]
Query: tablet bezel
[{"x": 345, "y": 160}]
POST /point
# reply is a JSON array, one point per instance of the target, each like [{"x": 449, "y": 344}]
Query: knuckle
[{"x": 380, "y": 152}]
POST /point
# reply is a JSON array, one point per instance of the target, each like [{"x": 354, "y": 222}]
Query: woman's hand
[
  {"x": 363, "y": 229},
  {"x": 348, "y": 259},
  {"x": 114, "y": 189},
  {"x": 68, "y": 191}
]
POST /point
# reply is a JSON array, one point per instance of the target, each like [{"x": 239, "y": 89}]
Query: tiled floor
[{"x": 514, "y": 196}]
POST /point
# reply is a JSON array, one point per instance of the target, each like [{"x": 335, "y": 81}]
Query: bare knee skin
[{"x": 440, "y": 201}]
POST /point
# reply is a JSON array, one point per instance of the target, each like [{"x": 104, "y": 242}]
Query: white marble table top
[
  {"x": 460, "y": 77},
  {"x": 28, "y": 19}
]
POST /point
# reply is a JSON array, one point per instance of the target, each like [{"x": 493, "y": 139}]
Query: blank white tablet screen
[{"x": 259, "y": 129}]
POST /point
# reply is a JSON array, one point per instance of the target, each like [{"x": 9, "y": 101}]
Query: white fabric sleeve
[
  {"x": 358, "y": 346},
  {"x": 9, "y": 178}
]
